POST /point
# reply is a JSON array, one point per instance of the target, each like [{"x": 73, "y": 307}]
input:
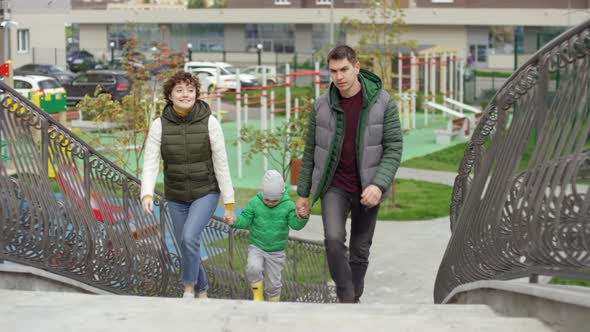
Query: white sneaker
[
  {"x": 202, "y": 295},
  {"x": 188, "y": 295}
]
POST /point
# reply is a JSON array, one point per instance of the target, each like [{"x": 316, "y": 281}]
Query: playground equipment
[
  {"x": 266, "y": 103},
  {"x": 436, "y": 72}
]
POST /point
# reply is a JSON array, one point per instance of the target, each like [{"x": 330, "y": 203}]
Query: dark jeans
[{"x": 348, "y": 271}]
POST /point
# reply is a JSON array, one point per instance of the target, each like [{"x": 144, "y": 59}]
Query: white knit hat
[{"x": 273, "y": 185}]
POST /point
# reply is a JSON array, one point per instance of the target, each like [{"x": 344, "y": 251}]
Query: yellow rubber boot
[
  {"x": 257, "y": 291},
  {"x": 274, "y": 299}
]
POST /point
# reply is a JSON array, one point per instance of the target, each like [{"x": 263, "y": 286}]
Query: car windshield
[
  {"x": 54, "y": 69},
  {"x": 49, "y": 84},
  {"x": 228, "y": 70}
]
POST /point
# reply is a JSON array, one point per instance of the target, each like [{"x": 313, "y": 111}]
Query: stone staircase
[{"x": 52, "y": 311}]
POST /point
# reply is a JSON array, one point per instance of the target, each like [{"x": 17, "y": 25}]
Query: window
[
  {"x": 277, "y": 38},
  {"x": 22, "y": 40},
  {"x": 81, "y": 79},
  {"x": 282, "y": 2},
  {"x": 49, "y": 84},
  {"x": 323, "y": 2},
  {"x": 18, "y": 84}
]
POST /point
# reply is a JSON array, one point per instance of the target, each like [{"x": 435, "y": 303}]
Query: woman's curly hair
[{"x": 180, "y": 77}]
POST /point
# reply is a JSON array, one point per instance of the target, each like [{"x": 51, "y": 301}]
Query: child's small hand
[{"x": 229, "y": 217}]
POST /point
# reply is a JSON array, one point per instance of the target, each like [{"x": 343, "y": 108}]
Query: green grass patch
[
  {"x": 444, "y": 160},
  {"x": 450, "y": 158},
  {"x": 497, "y": 74},
  {"x": 570, "y": 282}
]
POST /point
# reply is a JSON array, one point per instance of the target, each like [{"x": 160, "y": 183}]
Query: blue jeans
[{"x": 190, "y": 219}]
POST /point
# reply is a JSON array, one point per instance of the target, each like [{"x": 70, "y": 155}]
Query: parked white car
[
  {"x": 258, "y": 71},
  {"x": 206, "y": 72},
  {"x": 46, "y": 85}
]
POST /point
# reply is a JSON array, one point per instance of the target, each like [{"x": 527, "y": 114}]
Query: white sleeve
[
  {"x": 220, "y": 164},
  {"x": 151, "y": 159}
]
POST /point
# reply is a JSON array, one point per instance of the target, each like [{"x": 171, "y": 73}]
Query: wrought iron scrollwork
[
  {"x": 67, "y": 209},
  {"x": 510, "y": 219}
]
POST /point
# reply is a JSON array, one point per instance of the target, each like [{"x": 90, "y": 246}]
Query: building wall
[
  {"x": 40, "y": 6},
  {"x": 563, "y": 4},
  {"x": 94, "y": 38},
  {"x": 303, "y": 38},
  {"x": 234, "y": 38},
  {"x": 47, "y": 39},
  {"x": 448, "y": 36}
]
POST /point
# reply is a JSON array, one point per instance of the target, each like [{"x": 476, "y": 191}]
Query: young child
[{"x": 268, "y": 216}]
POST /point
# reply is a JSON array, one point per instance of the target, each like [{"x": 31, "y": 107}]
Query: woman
[{"x": 190, "y": 141}]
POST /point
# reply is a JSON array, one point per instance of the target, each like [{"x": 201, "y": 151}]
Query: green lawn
[
  {"x": 443, "y": 160},
  {"x": 450, "y": 158},
  {"x": 570, "y": 282},
  {"x": 416, "y": 200}
]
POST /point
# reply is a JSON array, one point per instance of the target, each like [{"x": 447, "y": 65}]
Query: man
[{"x": 352, "y": 152}]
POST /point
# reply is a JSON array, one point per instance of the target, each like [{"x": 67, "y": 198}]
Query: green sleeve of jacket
[
  {"x": 307, "y": 163},
  {"x": 294, "y": 221},
  {"x": 392, "y": 148},
  {"x": 245, "y": 217}
]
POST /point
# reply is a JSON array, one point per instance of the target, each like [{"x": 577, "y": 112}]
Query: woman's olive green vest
[{"x": 186, "y": 152}]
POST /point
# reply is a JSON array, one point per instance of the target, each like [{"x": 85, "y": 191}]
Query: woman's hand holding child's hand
[{"x": 229, "y": 217}]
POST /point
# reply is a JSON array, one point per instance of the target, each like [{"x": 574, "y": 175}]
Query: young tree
[
  {"x": 284, "y": 144},
  {"x": 380, "y": 37}
]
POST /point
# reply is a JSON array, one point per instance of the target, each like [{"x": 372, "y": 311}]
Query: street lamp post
[
  {"x": 112, "y": 45},
  {"x": 6, "y": 24},
  {"x": 189, "y": 50},
  {"x": 259, "y": 50}
]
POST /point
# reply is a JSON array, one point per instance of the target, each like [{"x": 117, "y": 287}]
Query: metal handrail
[
  {"x": 509, "y": 220},
  {"x": 86, "y": 221}
]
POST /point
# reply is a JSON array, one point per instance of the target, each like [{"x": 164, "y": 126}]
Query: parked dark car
[
  {"x": 59, "y": 74},
  {"x": 80, "y": 61},
  {"x": 113, "y": 82}
]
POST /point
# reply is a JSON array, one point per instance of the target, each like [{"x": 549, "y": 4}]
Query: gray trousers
[
  {"x": 267, "y": 266},
  {"x": 348, "y": 271}
]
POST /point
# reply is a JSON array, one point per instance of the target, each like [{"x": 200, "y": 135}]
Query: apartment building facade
[{"x": 486, "y": 29}]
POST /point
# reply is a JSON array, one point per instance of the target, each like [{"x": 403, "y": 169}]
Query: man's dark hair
[
  {"x": 343, "y": 52},
  {"x": 180, "y": 77}
]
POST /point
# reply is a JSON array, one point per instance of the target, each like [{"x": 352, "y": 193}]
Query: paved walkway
[{"x": 405, "y": 256}]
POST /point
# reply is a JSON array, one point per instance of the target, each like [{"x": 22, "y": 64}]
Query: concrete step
[
  {"x": 215, "y": 306},
  {"x": 46, "y": 311}
]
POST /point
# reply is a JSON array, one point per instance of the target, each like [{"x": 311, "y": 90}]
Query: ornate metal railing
[
  {"x": 66, "y": 209},
  {"x": 510, "y": 219}
]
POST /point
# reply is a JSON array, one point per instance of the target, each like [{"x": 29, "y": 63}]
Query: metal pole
[
  {"x": 6, "y": 30},
  {"x": 515, "y": 51},
  {"x": 331, "y": 22},
  {"x": 317, "y": 80},
  {"x": 239, "y": 121},
  {"x": 259, "y": 56},
  {"x": 217, "y": 92}
]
